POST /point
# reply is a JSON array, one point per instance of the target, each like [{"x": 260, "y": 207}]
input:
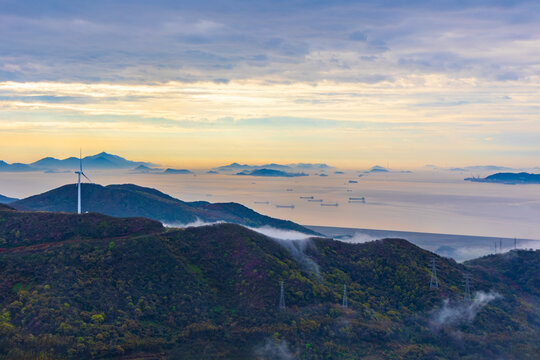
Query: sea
[{"x": 420, "y": 205}]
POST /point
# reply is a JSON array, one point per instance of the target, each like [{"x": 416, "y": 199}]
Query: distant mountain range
[
  {"x": 143, "y": 169},
  {"x": 377, "y": 169},
  {"x": 303, "y": 166},
  {"x": 509, "y": 178},
  {"x": 6, "y": 200},
  {"x": 481, "y": 168},
  {"x": 95, "y": 287},
  {"x": 130, "y": 200},
  {"x": 270, "y": 173},
  {"x": 102, "y": 160},
  {"x": 177, "y": 171},
  {"x": 15, "y": 167}
]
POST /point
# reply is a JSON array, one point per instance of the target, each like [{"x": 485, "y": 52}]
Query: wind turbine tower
[{"x": 79, "y": 173}]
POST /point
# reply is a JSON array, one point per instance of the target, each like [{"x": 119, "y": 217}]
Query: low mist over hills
[
  {"x": 136, "y": 201},
  {"x": 98, "y": 287}
]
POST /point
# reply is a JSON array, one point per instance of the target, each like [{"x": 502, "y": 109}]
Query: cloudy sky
[{"x": 351, "y": 83}]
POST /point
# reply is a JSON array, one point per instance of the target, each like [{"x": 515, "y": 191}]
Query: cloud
[
  {"x": 206, "y": 40},
  {"x": 463, "y": 311},
  {"x": 357, "y": 238},
  {"x": 196, "y": 62},
  {"x": 275, "y": 350},
  {"x": 295, "y": 243},
  {"x": 358, "y": 36},
  {"x": 196, "y": 223},
  {"x": 281, "y": 234}
]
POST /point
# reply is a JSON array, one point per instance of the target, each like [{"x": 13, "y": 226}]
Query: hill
[
  {"x": 31, "y": 228},
  {"x": 509, "y": 178},
  {"x": 518, "y": 267},
  {"x": 377, "y": 169},
  {"x": 6, "y": 200},
  {"x": 177, "y": 171},
  {"x": 212, "y": 292},
  {"x": 130, "y": 200},
  {"x": 102, "y": 160},
  {"x": 273, "y": 166},
  {"x": 15, "y": 167}
]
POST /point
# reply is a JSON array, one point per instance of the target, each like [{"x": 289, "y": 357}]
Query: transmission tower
[
  {"x": 495, "y": 246},
  {"x": 345, "y": 302},
  {"x": 282, "y": 299},
  {"x": 434, "y": 282},
  {"x": 467, "y": 285},
  {"x": 500, "y": 246}
]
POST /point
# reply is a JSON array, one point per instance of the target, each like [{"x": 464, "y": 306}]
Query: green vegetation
[
  {"x": 114, "y": 289},
  {"x": 130, "y": 200}
]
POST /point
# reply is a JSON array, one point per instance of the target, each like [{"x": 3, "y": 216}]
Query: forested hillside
[
  {"x": 129, "y": 200},
  {"x": 213, "y": 292}
]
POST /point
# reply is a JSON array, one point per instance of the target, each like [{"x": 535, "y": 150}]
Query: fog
[
  {"x": 196, "y": 223},
  {"x": 273, "y": 349},
  {"x": 462, "y": 311}
]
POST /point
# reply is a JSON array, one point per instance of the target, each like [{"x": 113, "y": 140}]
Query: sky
[{"x": 203, "y": 83}]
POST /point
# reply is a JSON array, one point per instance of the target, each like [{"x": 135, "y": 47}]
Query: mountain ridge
[
  {"x": 6, "y": 199},
  {"x": 102, "y": 160},
  {"x": 129, "y": 200},
  {"x": 176, "y": 293}
]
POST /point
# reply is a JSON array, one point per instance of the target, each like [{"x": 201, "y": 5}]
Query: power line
[
  {"x": 434, "y": 281},
  {"x": 467, "y": 285},
  {"x": 282, "y": 299}
]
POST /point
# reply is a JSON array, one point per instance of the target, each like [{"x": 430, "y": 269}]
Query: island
[
  {"x": 270, "y": 173},
  {"x": 508, "y": 178}
]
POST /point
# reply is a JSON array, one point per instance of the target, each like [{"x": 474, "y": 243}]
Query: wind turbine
[{"x": 79, "y": 173}]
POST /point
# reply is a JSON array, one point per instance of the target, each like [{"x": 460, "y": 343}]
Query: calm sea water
[{"x": 422, "y": 201}]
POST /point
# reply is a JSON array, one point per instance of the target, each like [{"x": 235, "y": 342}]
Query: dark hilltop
[{"x": 130, "y": 200}]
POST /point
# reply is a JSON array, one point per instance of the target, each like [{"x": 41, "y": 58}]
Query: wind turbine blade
[{"x": 86, "y": 177}]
